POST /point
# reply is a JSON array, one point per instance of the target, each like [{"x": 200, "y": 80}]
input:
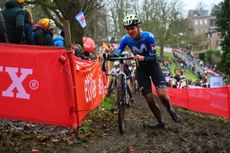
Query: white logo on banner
[
  {"x": 102, "y": 87},
  {"x": 17, "y": 76},
  {"x": 90, "y": 88}
]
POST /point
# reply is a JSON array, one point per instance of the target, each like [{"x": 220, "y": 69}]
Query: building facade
[{"x": 199, "y": 21}]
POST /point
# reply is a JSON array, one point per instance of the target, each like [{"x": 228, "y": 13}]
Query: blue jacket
[{"x": 59, "y": 41}]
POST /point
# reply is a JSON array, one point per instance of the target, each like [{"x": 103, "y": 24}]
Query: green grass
[
  {"x": 108, "y": 103},
  {"x": 173, "y": 67},
  {"x": 188, "y": 74},
  {"x": 98, "y": 117},
  {"x": 191, "y": 76},
  {"x": 166, "y": 55}
]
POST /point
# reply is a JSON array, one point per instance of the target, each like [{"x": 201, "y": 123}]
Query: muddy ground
[{"x": 195, "y": 134}]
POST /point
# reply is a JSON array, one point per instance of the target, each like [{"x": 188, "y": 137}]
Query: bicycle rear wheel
[{"x": 121, "y": 97}]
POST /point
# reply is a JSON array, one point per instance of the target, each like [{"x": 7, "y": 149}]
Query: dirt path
[{"x": 193, "y": 134}]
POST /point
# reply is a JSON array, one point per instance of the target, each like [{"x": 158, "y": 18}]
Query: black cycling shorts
[{"x": 147, "y": 71}]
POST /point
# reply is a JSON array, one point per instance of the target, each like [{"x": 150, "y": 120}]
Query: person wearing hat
[
  {"x": 14, "y": 15},
  {"x": 28, "y": 28},
  {"x": 43, "y": 35},
  {"x": 79, "y": 52},
  {"x": 59, "y": 40}
]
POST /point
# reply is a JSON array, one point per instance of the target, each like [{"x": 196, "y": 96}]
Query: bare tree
[
  {"x": 98, "y": 27},
  {"x": 201, "y": 5},
  {"x": 118, "y": 9},
  {"x": 160, "y": 16},
  {"x": 60, "y": 10}
]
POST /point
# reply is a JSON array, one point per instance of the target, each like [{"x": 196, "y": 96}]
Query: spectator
[
  {"x": 80, "y": 53},
  {"x": 177, "y": 75},
  {"x": 49, "y": 33},
  {"x": 62, "y": 33},
  {"x": 3, "y": 32},
  {"x": 43, "y": 35},
  {"x": 28, "y": 28},
  {"x": 168, "y": 65},
  {"x": 59, "y": 40},
  {"x": 14, "y": 15}
]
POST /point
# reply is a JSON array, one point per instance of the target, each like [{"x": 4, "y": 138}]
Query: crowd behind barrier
[{"x": 48, "y": 85}]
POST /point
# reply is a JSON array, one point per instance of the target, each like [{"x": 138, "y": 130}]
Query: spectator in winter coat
[
  {"x": 43, "y": 35},
  {"x": 3, "y": 32},
  {"x": 80, "y": 53},
  {"x": 28, "y": 28},
  {"x": 49, "y": 33},
  {"x": 14, "y": 15},
  {"x": 59, "y": 41}
]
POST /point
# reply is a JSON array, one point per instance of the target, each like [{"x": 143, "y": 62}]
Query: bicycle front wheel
[{"x": 121, "y": 103}]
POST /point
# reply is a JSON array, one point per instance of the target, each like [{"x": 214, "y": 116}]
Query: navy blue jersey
[
  {"x": 149, "y": 68},
  {"x": 145, "y": 46}
]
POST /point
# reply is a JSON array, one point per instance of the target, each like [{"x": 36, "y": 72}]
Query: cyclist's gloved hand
[{"x": 139, "y": 57}]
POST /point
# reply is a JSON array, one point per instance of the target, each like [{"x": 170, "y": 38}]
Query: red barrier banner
[
  {"x": 36, "y": 85},
  {"x": 206, "y": 100},
  {"x": 91, "y": 86}
]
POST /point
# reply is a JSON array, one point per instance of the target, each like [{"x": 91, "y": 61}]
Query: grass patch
[
  {"x": 99, "y": 118},
  {"x": 191, "y": 76},
  {"x": 168, "y": 55},
  {"x": 187, "y": 73}
]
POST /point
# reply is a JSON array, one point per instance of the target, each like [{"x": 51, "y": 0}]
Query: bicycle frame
[
  {"x": 120, "y": 74},
  {"x": 121, "y": 90}
]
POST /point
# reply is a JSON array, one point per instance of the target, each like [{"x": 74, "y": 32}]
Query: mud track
[{"x": 193, "y": 134}]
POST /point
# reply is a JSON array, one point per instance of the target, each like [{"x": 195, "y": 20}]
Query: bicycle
[{"x": 121, "y": 90}]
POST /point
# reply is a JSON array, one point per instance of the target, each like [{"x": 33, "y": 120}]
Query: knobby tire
[{"x": 121, "y": 97}]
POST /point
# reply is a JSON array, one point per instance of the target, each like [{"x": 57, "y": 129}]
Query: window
[
  {"x": 205, "y": 22},
  {"x": 201, "y": 22},
  {"x": 196, "y": 22}
]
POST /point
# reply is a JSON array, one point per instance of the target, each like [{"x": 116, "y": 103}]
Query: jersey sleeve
[
  {"x": 152, "y": 51},
  {"x": 121, "y": 47},
  {"x": 152, "y": 41}
]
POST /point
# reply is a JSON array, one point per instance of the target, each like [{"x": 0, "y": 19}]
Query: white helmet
[
  {"x": 116, "y": 63},
  {"x": 131, "y": 20}
]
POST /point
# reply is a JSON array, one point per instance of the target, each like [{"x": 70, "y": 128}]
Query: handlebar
[{"x": 119, "y": 58}]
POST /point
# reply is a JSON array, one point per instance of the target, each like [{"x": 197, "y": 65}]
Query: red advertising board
[
  {"x": 35, "y": 84},
  {"x": 91, "y": 86},
  {"x": 52, "y": 86},
  {"x": 206, "y": 100},
  {"x": 48, "y": 85}
]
